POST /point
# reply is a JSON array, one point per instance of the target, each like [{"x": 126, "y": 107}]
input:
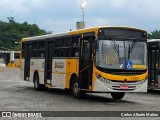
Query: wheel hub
[{"x": 76, "y": 88}]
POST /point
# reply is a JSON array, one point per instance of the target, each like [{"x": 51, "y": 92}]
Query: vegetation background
[{"x": 12, "y": 32}]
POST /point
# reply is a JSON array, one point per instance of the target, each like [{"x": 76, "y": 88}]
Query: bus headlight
[
  {"x": 141, "y": 81},
  {"x": 99, "y": 77}
]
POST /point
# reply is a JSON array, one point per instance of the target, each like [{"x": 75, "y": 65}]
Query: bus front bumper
[{"x": 140, "y": 86}]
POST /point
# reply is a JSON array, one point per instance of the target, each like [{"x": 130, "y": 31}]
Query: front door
[
  {"x": 48, "y": 63},
  {"x": 27, "y": 57},
  {"x": 86, "y": 61},
  {"x": 154, "y": 73}
]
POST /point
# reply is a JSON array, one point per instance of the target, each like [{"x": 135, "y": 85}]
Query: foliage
[
  {"x": 12, "y": 32},
  {"x": 154, "y": 35}
]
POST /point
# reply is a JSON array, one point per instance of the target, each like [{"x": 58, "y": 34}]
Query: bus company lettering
[{"x": 59, "y": 65}]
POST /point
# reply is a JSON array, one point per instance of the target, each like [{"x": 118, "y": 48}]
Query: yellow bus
[{"x": 99, "y": 59}]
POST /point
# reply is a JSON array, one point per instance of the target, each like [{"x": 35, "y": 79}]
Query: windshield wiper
[
  {"x": 116, "y": 47},
  {"x": 131, "y": 47}
]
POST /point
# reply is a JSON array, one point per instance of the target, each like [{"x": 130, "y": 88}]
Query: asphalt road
[{"x": 19, "y": 95}]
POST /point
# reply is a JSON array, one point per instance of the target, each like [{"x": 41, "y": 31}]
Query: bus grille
[
  {"x": 128, "y": 89},
  {"x": 123, "y": 81}
]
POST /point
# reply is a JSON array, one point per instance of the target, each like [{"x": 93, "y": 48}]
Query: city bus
[
  {"x": 92, "y": 60},
  {"x": 153, "y": 46}
]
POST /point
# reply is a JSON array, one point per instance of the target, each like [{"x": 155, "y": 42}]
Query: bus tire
[
  {"x": 37, "y": 86},
  {"x": 117, "y": 95},
  {"x": 75, "y": 91}
]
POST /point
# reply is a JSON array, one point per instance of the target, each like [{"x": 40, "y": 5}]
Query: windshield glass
[{"x": 116, "y": 54}]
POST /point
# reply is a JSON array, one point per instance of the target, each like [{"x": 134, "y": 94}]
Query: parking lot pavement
[{"x": 19, "y": 95}]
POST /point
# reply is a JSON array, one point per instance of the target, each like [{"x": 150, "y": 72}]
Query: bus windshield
[{"x": 114, "y": 54}]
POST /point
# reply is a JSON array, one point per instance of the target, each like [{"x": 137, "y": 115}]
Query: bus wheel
[
  {"x": 75, "y": 91},
  {"x": 117, "y": 95},
  {"x": 37, "y": 86}
]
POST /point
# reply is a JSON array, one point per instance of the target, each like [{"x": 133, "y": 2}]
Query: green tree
[
  {"x": 12, "y": 32},
  {"x": 11, "y": 19},
  {"x": 154, "y": 35}
]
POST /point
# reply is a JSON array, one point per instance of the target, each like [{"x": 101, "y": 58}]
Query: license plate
[{"x": 123, "y": 87}]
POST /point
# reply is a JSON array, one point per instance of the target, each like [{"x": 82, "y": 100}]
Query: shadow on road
[
  {"x": 155, "y": 92},
  {"x": 89, "y": 97}
]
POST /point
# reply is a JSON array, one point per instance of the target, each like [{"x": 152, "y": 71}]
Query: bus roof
[
  {"x": 80, "y": 31},
  {"x": 153, "y": 42}
]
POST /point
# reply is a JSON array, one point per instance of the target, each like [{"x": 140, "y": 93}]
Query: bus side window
[
  {"x": 65, "y": 52},
  {"x": 58, "y": 42},
  {"x": 41, "y": 50},
  {"x": 35, "y": 46},
  {"x": 75, "y": 46},
  {"x": 85, "y": 56},
  {"x": 65, "y": 42},
  {"x": 75, "y": 52},
  {"x": 56, "y": 52},
  {"x": 57, "y": 47}
]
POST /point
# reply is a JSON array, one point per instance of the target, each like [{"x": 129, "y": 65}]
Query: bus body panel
[
  {"x": 114, "y": 82},
  {"x": 37, "y": 65},
  {"x": 59, "y": 73},
  {"x": 100, "y": 86},
  {"x": 71, "y": 68},
  {"x": 62, "y": 71}
]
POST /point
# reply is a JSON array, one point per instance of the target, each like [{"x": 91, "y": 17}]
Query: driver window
[{"x": 86, "y": 51}]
